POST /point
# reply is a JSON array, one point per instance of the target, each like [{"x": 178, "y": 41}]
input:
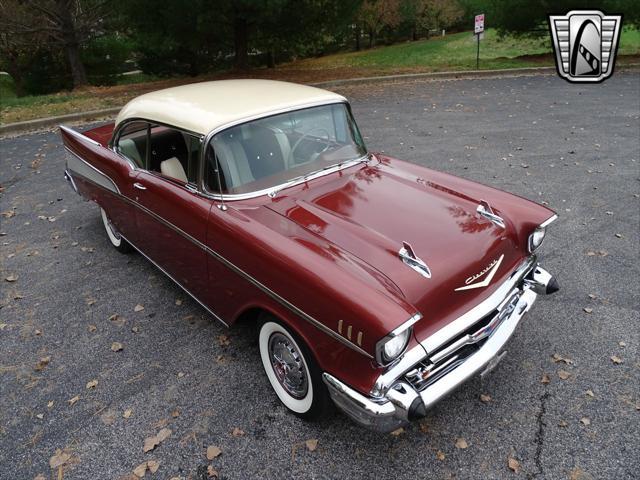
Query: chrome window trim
[
  {"x": 258, "y": 193},
  {"x": 118, "y": 131},
  {"x": 431, "y": 343},
  {"x": 299, "y": 312}
]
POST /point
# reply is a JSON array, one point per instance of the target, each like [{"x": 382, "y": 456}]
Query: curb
[{"x": 48, "y": 122}]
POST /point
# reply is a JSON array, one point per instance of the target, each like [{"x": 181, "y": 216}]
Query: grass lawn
[{"x": 452, "y": 52}]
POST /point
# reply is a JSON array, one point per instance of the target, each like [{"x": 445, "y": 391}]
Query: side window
[
  {"x": 173, "y": 153},
  {"x": 132, "y": 142}
]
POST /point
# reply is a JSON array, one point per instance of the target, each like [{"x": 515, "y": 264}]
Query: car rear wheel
[
  {"x": 292, "y": 371},
  {"x": 114, "y": 236}
]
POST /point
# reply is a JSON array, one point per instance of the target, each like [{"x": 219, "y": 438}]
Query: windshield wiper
[{"x": 306, "y": 176}]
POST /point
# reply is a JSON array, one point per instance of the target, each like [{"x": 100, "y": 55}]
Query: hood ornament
[
  {"x": 490, "y": 270},
  {"x": 487, "y": 212},
  {"x": 409, "y": 257}
]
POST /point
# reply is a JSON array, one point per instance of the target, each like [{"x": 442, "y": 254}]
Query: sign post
[{"x": 478, "y": 30}]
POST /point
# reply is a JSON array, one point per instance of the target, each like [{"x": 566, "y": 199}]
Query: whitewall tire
[
  {"x": 114, "y": 236},
  {"x": 291, "y": 370}
]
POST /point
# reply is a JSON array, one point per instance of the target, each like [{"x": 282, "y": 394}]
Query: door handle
[{"x": 139, "y": 186}]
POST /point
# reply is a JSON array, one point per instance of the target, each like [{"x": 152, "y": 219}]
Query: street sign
[{"x": 479, "y": 25}]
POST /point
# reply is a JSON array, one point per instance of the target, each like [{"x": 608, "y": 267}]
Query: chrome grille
[{"x": 455, "y": 352}]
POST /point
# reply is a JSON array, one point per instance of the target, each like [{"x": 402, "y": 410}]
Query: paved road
[{"x": 575, "y": 147}]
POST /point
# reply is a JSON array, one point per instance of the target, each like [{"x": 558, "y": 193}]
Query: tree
[
  {"x": 375, "y": 15},
  {"x": 64, "y": 24}
]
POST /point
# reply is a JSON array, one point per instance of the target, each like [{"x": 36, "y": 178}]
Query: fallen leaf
[
  {"x": 40, "y": 476},
  {"x": 589, "y": 393},
  {"x": 138, "y": 308},
  {"x": 213, "y": 452},
  {"x": 585, "y": 421},
  {"x": 163, "y": 435},
  {"x": 140, "y": 470},
  {"x": 559, "y": 358},
  {"x": 424, "y": 426},
  {"x": 223, "y": 340},
  {"x": 180, "y": 374},
  {"x": 116, "y": 346},
  {"x": 43, "y": 362},
  {"x": 311, "y": 444},
  {"x": 40, "y": 416},
  {"x": 618, "y": 235},
  {"x": 592, "y": 296},
  {"x": 11, "y": 278},
  {"x": 74, "y": 400},
  {"x": 211, "y": 472},
  {"x": 563, "y": 374},
  {"x": 616, "y": 359},
  {"x": 178, "y": 301},
  {"x": 622, "y": 344},
  {"x": 152, "y": 442},
  {"x": 545, "y": 379},
  {"x": 90, "y": 301},
  {"x": 127, "y": 413},
  {"x": 237, "y": 432},
  {"x": 92, "y": 328},
  {"x": 578, "y": 474},
  {"x": 50, "y": 404},
  {"x": 588, "y": 309},
  {"x": 461, "y": 443},
  {"x": 59, "y": 459},
  {"x": 397, "y": 432},
  {"x": 513, "y": 464},
  {"x": 440, "y": 455},
  {"x": 485, "y": 398},
  {"x": 175, "y": 413},
  {"x": 562, "y": 424},
  {"x": 92, "y": 384},
  {"x": 153, "y": 465}
]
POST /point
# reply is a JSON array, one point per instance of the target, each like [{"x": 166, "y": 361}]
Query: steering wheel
[{"x": 308, "y": 134}]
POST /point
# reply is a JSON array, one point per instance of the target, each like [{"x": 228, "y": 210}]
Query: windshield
[{"x": 271, "y": 151}]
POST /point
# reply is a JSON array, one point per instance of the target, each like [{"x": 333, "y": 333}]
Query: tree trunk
[
  {"x": 13, "y": 69},
  {"x": 271, "y": 58},
  {"x": 414, "y": 33},
  {"x": 241, "y": 40},
  {"x": 71, "y": 44},
  {"x": 358, "y": 33},
  {"x": 372, "y": 38}
]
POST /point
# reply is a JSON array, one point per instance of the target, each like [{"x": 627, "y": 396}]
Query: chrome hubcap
[{"x": 288, "y": 365}]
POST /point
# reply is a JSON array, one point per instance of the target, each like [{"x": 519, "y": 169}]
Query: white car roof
[{"x": 207, "y": 106}]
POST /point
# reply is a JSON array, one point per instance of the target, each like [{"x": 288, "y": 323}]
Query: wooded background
[{"x": 52, "y": 45}]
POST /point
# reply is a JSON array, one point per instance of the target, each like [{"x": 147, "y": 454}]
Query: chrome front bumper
[{"x": 395, "y": 401}]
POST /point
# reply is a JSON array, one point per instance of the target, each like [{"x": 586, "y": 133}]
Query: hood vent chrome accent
[
  {"x": 408, "y": 256},
  {"x": 487, "y": 212}
]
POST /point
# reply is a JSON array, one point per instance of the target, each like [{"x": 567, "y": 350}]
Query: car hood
[{"x": 371, "y": 210}]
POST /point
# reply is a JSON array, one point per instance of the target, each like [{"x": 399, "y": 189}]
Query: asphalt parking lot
[{"x": 576, "y": 148}]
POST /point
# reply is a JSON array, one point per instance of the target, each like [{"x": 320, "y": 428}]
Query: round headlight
[
  {"x": 536, "y": 238},
  {"x": 395, "y": 345}
]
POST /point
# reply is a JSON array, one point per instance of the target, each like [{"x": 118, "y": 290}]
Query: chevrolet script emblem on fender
[
  {"x": 585, "y": 44},
  {"x": 489, "y": 271}
]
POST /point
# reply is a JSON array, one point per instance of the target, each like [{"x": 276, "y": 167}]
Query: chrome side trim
[
  {"x": 78, "y": 135},
  {"x": 69, "y": 178},
  {"x": 252, "y": 280},
  {"x": 175, "y": 281},
  {"x": 79, "y": 165},
  {"x": 446, "y": 333},
  {"x": 409, "y": 323},
  {"x": 549, "y": 221}
]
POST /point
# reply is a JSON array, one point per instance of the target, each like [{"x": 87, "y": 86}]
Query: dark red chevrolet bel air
[{"x": 375, "y": 284}]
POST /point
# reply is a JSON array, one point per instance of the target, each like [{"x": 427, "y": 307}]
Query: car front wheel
[
  {"x": 114, "y": 236},
  {"x": 292, "y": 371}
]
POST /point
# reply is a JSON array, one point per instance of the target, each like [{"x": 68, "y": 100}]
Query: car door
[{"x": 171, "y": 217}]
